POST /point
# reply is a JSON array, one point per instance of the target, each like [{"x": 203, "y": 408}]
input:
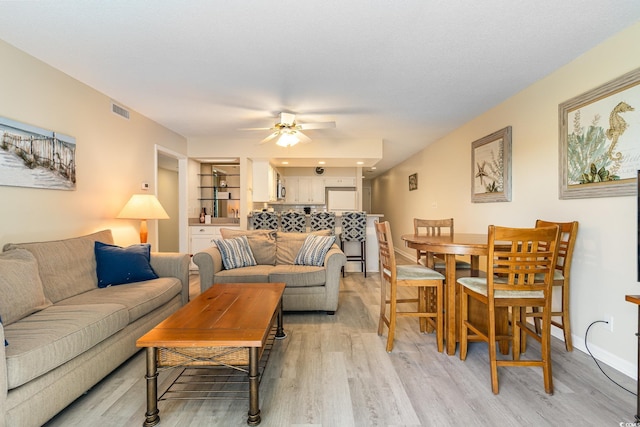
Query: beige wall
[
  {"x": 114, "y": 156},
  {"x": 605, "y": 263}
]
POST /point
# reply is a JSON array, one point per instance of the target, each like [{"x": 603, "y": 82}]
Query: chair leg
[
  {"x": 383, "y": 304},
  {"x": 440, "y": 318},
  {"x": 546, "y": 353},
  {"x": 392, "y": 319},
  {"x": 493, "y": 351},
  {"x": 566, "y": 323},
  {"x": 363, "y": 246},
  {"x": 464, "y": 312},
  {"x": 422, "y": 308}
]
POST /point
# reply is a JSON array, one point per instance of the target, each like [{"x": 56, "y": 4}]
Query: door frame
[{"x": 183, "y": 191}]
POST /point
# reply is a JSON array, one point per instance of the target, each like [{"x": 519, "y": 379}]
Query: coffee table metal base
[{"x": 152, "y": 416}]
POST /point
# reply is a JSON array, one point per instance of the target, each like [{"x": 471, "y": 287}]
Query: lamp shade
[{"x": 143, "y": 206}]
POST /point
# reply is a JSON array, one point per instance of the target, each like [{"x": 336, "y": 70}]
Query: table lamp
[{"x": 143, "y": 207}]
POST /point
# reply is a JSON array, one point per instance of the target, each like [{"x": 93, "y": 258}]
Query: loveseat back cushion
[
  {"x": 261, "y": 242},
  {"x": 67, "y": 267},
  {"x": 53, "y": 336},
  {"x": 289, "y": 244},
  {"x": 140, "y": 298},
  {"x": 298, "y": 276},
  {"x": 21, "y": 292},
  {"x": 255, "y": 274}
]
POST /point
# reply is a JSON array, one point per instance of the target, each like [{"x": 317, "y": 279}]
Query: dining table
[{"x": 473, "y": 244}]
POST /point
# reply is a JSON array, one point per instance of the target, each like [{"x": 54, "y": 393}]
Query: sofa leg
[{"x": 330, "y": 313}]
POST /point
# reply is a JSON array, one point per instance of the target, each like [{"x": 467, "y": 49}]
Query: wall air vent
[{"x": 121, "y": 111}]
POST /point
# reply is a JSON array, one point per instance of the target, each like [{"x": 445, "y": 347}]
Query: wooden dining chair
[
  {"x": 435, "y": 227},
  {"x": 561, "y": 279},
  {"x": 414, "y": 275},
  {"x": 520, "y": 265}
]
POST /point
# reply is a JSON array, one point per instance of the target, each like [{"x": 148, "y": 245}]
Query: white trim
[{"x": 183, "y": 219}]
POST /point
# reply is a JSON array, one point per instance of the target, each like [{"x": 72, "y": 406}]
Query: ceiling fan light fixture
[{"x": 287, "y": 139}]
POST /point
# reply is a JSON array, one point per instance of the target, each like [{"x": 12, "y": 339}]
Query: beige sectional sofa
[
  {"x": 65, "y": 334},
  {"x": 308, "y": 287}
]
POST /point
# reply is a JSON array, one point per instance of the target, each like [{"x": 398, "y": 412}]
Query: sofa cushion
[
  {"x": 139, "y": 298},
  {"x": 55, "y": 335},
  {"x": 255, "y": 274},
  {"x": 289, "y": 244},
  {"x": 235, "y": 252},
  {"x": 261, "y": 242},
  {"x": 314, "y": 249},
  {"x": 117, "y": 266},
  {"x": 298, "y": 275},
  {"x": 67, "y": 267},
  {"x": 6, "y": 343},
  {"x": 21, "y": 292}
]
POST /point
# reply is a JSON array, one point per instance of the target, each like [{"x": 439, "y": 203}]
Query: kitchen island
[{"x": 352, "y": 248}]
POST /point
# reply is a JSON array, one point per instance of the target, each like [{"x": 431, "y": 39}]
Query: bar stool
[
  {"x": 293, "y": 222},
  {"x": 265, "y": 221},
  {"x": 323, "y": 221},
  {"x": 354, "y": 229}
]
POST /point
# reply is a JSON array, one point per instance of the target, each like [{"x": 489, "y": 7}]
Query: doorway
[{"x": 171, "y": 182}]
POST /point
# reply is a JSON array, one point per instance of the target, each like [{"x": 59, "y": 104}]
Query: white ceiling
[{"x": 402, "y": 72}]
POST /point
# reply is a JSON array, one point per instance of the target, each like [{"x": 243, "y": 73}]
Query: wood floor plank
[{"x": 334, "y": 371}]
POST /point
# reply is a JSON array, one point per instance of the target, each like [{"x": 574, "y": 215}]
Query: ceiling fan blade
[
  {"x": 287, "y": 118},
  {"x": 270, "y": 137},
  {"x": 322, "y": 125},
  {"x": 256, "y": 128},
  {"x": 302, "y": 137}
]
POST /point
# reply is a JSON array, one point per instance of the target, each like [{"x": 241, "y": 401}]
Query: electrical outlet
[{"x": 609, "y": 319}]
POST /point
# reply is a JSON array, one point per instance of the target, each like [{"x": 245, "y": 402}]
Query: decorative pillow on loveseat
[
  {"x": 314, "y": 249},
  {"x": 116, "y": 265},
  {"x": 235, "y": 252},
  {"x": 21, "y": 292},
  {"x": 261, "y": 242}
]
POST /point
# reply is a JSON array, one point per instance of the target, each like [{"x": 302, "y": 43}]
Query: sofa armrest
[
  {"x": 333, "y": 263},
  {"x": 173, "y": 264},
  {"x": 209, "y": 262},
  {"x": 3, "y": 379}
]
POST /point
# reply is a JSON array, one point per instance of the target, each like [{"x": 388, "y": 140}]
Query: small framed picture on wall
[{"x": 413, "y": 181}]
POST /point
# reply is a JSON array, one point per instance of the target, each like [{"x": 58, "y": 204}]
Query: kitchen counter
[{"x": 215, "y": 222}]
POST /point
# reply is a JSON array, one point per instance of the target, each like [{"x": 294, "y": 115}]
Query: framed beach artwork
[
  {"x": 599, "y": 133},
  {"x": 34, "y": 157},
  {"x": 491, "y": 167}
]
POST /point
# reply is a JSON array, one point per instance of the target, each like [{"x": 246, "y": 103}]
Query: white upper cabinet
[
  {"x": 304, "y": 190},
  {"x": 340, "y": 182},
  {"x": 264, "y": 182}
]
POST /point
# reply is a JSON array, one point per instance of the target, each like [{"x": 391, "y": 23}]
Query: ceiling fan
[{"x": 288, "y": 131}]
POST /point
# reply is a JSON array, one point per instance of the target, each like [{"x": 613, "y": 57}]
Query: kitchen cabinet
[
  {"x": 304, "y": 190},
  {"x": 348, "y": 181},
  {"x": 202, "y": 237},
  {"x": 264, "y": 183}
]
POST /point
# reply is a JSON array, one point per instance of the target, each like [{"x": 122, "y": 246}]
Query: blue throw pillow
[
  {"x": 117, "y": 265},
  {"x": 235, "y": 252},
  {"x": 314, "y": 249},
  {"x": 5, "y": 341}
]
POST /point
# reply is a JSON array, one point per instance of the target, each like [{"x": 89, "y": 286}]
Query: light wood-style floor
[{"x": 334, "y": 371}]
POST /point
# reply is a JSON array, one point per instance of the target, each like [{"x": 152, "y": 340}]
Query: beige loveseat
[
  {"x": 308, "y": 287},
  {"x": 72, "y": 333}
]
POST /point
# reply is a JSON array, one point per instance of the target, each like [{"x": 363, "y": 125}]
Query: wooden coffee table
[{"x": 227, "y": 318}]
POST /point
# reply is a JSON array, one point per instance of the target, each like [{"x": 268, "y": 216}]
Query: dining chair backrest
[
  {"x": 568, "y": 234},
  {"x": 432, "y": 227},
  {"x": 386, "y": 252},
  {"x": 293, "y": 222},
  {"x": 323, "y": 221},
  {"x": 354, "y": 226},
  {"x": 521, "y": 260},
  {"x": 265, "y": 221}
]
